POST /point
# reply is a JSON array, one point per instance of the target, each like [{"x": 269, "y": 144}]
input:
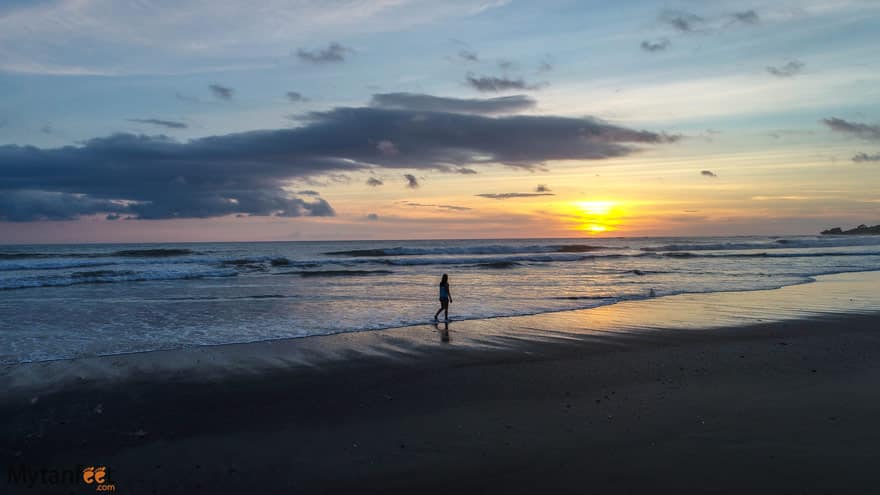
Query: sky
[{"x": 196, "y": 120}]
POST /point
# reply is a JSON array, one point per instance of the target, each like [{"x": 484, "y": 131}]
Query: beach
[{"x": 760, "y": 391}]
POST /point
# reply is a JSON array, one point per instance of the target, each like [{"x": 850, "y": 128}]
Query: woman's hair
[{"x": 445, "y": 279}]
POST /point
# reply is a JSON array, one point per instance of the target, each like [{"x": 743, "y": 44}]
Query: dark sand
[{"x": 596, "y": 401}]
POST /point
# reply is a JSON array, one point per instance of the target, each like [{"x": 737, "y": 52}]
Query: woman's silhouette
[{"x": 445, "y": 297}]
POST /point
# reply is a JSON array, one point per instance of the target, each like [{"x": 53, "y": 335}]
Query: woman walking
[{"x": 445, "y": 297}]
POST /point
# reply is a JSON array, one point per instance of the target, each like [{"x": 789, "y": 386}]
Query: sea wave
[
  {"x": 53, "y": 264},
  {"x": 686, "y": 254},
  {"x": 493, "y": 249},
  {"x": 124, "y": 253},
  {"x": 336, "y": 273},
  {"x": 820, "y": 242},
  {"x": 153, "y": 253},
  {"x": 110, "y": 276},
  {"x": 497, "y": 265}
]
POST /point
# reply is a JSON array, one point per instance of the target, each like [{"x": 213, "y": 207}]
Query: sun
[
  {"x": 595, "y": 207},
  {"x": 596, "y": 217}
]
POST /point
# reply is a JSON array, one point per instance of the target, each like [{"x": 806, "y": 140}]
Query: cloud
[
  {"x": 372, "y": 217},
  {"x": 186, "y": 98},
  {"x": 746, "y": 17},
  {"x": 790, "y": 69},
  {"x": 513, "y": 195},
  {"x": 497, "y": 84},
  {"x": 505, "y": 64},
  {"x": 334, "y": 53},
  {"x": 387, "y": 148},
  {"x": 864, "y": 157},
  {"x": 429, "y": 103},
  {"x": 856, "y": 129},
  {"x": 157, "y": 177},
  {"x": 47, "y": 129},
  {"x": 545, "y": 66},
  {"x": 411, "y": 181},
  {"x": 464, "y": 171},
  {"x": 170, "y": 124},
  {"x": 780, "y": 198},
  {"x": 98, "y": 36},
  {"x": 309, "y": 192},
  {"x": 542, "y": 188},
  {"x": 443, "y": 207},
  {"x": 655, "y": 46},
  {"x": 374, "y": 182},
  {"x": 468, "y": 55},
  {"x": 681, "y": 21},
  {"x": 295, "y": 97},
  {"x": 708, "y": 173},
  {"x": 221, "y": 92}
]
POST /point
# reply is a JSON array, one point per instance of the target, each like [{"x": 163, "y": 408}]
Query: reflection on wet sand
[{"x": 444, "y": 332}]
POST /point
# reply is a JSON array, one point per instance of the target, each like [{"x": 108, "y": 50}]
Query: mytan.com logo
[
  {"x": 34, "y": 476},
  {"x": 98, "y": 476}
]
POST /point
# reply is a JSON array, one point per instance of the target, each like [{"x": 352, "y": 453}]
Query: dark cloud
[
  {"x": 429, "y": 103},
  {"x": 498, "y": 84},
  {"x": 296, "y": 97},
  {"x": 864, "y": 131},
  {"x": 170, "y": 124},
  {"x": 464, "y": 171},
  {"x": 156, "y": 177},
  {"x": 32, "y": 204},
  {"x": 864, "y": 157},
  {"x": 411, "y": 181},
  {"x": 790, "y": 69},
  {"x": 221, "y": 92},
  {"x": 746, "y": 17},
  {"x": 684, "y": 22},
  {"x": 655, "y": 46},
  {"x": 468, "y": 55},
  {"x": 513, "y": 195},
  {"x": 112, "y": 216},
  {"x": 308, "y": 192},
  {"x": 333, "y": 53},
  {"x": 374, "y": 182},
  {"x": 372, "y": 217},
  {"x": 47, "y": 129},
  {"x": 707, "y": 173},
  {"x": 545, "y": 66},
  {"x": 542, "y": 188}
]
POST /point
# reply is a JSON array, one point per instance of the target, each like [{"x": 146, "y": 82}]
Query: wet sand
[{"x": 758, "y": 392}]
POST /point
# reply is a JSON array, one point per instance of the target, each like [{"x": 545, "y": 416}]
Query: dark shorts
[{"x": 444, "y": 302}]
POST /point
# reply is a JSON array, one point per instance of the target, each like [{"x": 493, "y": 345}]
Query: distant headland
[{"x": 860, "y": 230}]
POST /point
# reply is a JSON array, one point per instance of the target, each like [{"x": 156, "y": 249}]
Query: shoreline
[
  {"x": 846, "y": 293},
  {"x": 604, "y": 399}
]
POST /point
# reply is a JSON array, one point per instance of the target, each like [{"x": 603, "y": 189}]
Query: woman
[{"x": 445, "y": 297}]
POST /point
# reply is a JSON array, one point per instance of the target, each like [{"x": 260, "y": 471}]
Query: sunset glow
[{"x": 299, "y": 128}]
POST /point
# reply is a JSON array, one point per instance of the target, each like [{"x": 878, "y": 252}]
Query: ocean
[{"x": 67, "y": 301}]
